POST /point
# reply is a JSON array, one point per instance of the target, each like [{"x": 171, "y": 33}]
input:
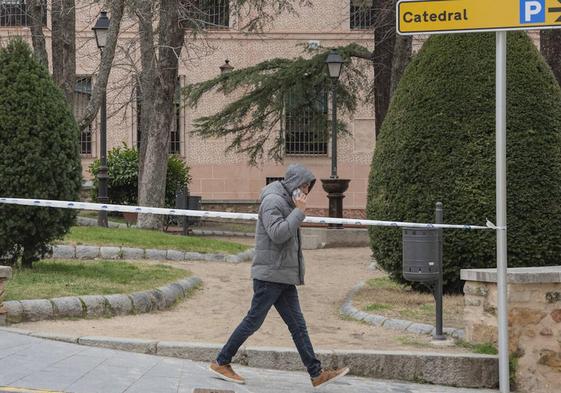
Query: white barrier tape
[
  {"x": 211, "y": 214},
  {"x": 493, "y": 226}
]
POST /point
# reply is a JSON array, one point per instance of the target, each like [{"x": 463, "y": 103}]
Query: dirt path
[{"x": 212, "y": 313}]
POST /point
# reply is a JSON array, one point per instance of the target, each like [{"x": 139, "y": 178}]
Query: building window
[
  {"x": 208, "y": 14},
  {"x": 17, "y": 13},
  {"x": 271, "y": 179},
  {"x": 306, "y": 125},
  {"x": 175, "y": 136},
  {"x": 82, "y": 95},
  {"x": 175, "y": 132},
  {"x": 138, "y": 99},
  {"x": 362, "y": 15}
]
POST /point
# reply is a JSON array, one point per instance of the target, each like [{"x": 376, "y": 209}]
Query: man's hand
[{"x": 300, "y": 202}]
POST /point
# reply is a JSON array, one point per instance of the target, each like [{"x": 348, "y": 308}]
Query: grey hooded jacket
[{"x": 278, "y": 251}]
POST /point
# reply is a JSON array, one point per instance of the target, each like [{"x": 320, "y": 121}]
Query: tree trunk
[
  {"x": 154, "y": 169},
  {"x": 550, "y": 47},
  {"x": 147, "y": 81},
  {"x": 384, "y": 42},
  {"x": 401, "y": 57},
  {"x": 37, "y": 36},
  {"x": 64, "y": 46},
  {"x": 116, "y": 14}
]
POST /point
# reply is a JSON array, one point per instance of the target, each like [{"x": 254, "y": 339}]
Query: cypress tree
[
  {"x": 39, "y": 155},
  {"x": 437, "y": 143}
]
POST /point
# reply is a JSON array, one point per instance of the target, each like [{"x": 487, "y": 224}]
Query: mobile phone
[{"x": 296, "y": 193}]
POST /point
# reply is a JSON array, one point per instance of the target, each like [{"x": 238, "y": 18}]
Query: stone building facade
[{"x": 217, "y": 176}]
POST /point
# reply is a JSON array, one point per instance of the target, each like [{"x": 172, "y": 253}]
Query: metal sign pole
[{"x": 501, "y": 211}]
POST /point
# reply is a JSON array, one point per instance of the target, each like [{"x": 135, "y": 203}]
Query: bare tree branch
[{"x": 116, "y": 10}]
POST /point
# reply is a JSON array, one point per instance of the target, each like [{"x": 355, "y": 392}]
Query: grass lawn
[
  {"x": 384, "y": 297},
  {"x": 209, "y": 224},
  {"x": 50, "y": 279},
  {"x": 143, "y": 238}
]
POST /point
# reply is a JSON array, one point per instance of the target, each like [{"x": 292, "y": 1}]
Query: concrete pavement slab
[{"x": 39, "y": 363}]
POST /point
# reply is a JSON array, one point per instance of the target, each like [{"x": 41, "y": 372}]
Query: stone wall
[
  {"x": 5, "y": 275},
  {"x": 534, "y": 318}
]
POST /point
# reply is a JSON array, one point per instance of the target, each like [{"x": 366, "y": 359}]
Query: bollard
[{"x": 5, "y": 275}]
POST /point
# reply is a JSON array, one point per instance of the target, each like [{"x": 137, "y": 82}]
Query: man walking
[{"x": 277, "y": 268}]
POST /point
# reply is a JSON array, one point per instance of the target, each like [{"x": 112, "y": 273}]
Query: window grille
[
  {"x": 82, "y": 96},
  {"x": 175, "y": 136},
  {"x": 269, "y": 180},
  {"x": 138, "y": 99},
  {"x": 17, "y": 13},
  {"x": 207, "y": 14},
  {"x": 306, "y": 125},
  {"x": 362, "y": 14},
  {"x": 175, "y": 132}
]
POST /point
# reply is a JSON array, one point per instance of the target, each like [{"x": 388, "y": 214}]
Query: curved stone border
[
  {"x": 92, "y": 252},
  {"x": 98, "y": 306},
  {"x": 348, "y": 310},
  {"x": 462, "y": 370}
]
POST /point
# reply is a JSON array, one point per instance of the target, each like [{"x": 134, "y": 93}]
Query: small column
[{"x": 5, "y": 275}]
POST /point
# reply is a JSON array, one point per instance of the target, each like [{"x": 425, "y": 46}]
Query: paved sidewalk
[{"x": 42, "y": 364}]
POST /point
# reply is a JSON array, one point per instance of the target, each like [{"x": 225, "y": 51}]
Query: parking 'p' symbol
[{"x": 532, "y": 11}]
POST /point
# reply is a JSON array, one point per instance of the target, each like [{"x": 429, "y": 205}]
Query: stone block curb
[
  {"x": 128, "y": 253},
  {"x": 87, "y": 252},
  {"x": 460, "y": 370},
  {"x": 119, "y": 304},
  {"x": 174, "y": 255},
  {"x": 348, "y": 310},
  {"x": 14, "y": 311},
  {"x": 63, "y": 252},
  {"x": 37, "y": 310},
  {"x": 156, "y": 255},
  {"x": 133, "y": 253},
  {"x": 5, "y": 272},
  {"x": 97, "y": 306},
  {"x": 122, "y": 344},
  {"x": 110, "y": 252},
  {"x": 67, "y": 307},
  {"x": 55, "y": 337}
]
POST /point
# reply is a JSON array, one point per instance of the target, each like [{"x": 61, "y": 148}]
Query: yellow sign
[{"x": 449, "y": 16}]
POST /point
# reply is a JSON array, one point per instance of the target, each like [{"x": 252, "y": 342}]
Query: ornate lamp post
[
  {"x": 100, "y": 29},
  {"x": 226, "y": 67},
  {"x": 334, "y": 186}
]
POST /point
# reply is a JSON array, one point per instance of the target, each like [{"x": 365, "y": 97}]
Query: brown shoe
[
  {"x": 328, "y": 376},
  {"x": 225, "y": 372}
]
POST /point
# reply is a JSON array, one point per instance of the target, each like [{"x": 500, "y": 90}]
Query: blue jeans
[{"x": 285, "y": 299}]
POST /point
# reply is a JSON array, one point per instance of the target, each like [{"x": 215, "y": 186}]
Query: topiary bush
[
  {"x": 122, "y": 163},
  {"x": 437, "y": 143},
  {"x": 39, "y": 156}
]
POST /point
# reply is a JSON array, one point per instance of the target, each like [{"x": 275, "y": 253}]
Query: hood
[{"x": 295, "y": 176}]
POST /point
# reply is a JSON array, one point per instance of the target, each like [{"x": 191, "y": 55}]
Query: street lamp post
[
  {"x": 226, "y": 67},
  {"x": 334, "y": 186},
  {"x": 100, "y": 29}
]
